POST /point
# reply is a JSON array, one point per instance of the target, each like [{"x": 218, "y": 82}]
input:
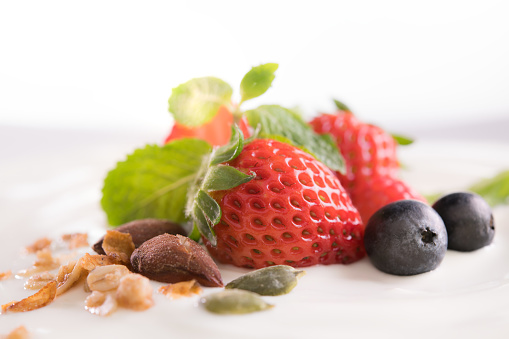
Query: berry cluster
[
  {"x": 371, "y": 162},
  {"x": 292, "y": 193},
  {"x": 409, "y": 237}
]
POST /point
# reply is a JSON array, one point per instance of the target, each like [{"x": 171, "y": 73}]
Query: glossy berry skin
[
  {"x": 368, "y": 150},
  {"x": 468, "y": 219},
  {"x": 295, "y": 212},
  {"x": 217, "y": 131},
  {"x": 406, "y": 237},
  {"x": 369, "y": 196}
]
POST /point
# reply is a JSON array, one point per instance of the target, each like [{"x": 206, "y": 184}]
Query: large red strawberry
[
  {"x": 369, "y": 196},
  {"x": 294, "y": 212},
  {"x": 217, "y": 131},
  {"x": 367, "y": 149}
]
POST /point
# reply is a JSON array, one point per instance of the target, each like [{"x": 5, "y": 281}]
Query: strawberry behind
[
  {"x": 216, "y": 132},
  {"x": 372, "y": 195},
  {"x": 367, "y": 149},
  {"x": 371, "y": 161}
]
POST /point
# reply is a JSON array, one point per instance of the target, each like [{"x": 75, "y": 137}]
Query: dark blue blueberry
[
  {"x": 468, "y": 219},
  {"x": 406, "y": 237}
]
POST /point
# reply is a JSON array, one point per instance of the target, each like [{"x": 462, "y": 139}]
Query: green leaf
[
  {"x": 209, "y": 207},
  {"x": 402, "y": 140},
  {"x": 254, "y": 135},
  {"x": 287, "y": 141},
  {"x": 277, "y": 120},
  {"x": 195, "y": 234},
  {"x": 341, "y": 106},
  {"x": 433, "y": 197},
  {"x": 494, "y": 190},
  {"x": 198, "y": 100},
  {"x": 202, "y": 224},
  {"x": 153, "y": 182},
  {"x": 231, "y": 150},
  {"x": 222, "y": 177},
  {"x": 257, "y": 81}
]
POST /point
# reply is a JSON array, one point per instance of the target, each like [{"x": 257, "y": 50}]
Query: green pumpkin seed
[
  {"x": 234, "y": 302},
  {"x": 273, "y": 280}
]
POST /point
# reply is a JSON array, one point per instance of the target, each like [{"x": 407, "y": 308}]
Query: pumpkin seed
[
  {"x": 234, "y": 302},
  {"x": 273, "y": 280}
]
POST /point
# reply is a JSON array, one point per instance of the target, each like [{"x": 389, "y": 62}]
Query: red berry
[
  {"x": 295, "y": 212},
  {"x": 370, "y": 196},
  {"x": 217, "y": 131},
  {"x": 368, "y": 150}
]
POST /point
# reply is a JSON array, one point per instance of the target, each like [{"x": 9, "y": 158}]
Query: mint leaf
[
  {"x": 201, "y": 223},
  {"x": 402, "y": 140},
  {"x": 209, "y": 206},
  {"x": 222, "y": 177},
  {"x": 195, "y": 233},
  {"x": 153, "y": 182},
  {"x": 341, "y": 106},
  {"x": 277, "y": 120},
  {"x": 494, "y": 190},
  {"x": 231, "y": 150},
  {"x": 198, "y": 100},
  {"x": 257, "y": 81},
  {"x": 431, "y": 198}
]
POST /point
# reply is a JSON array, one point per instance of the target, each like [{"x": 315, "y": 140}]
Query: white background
[{"x": 112, "y": 64}]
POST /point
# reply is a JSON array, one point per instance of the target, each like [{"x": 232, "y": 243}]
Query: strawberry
[
  {"x": 369, "y": 196},
  {"x": 370, "y": 158},
  {"x": 294, "y": 212},
  {"x": 368, "y": 150},
  {"x": 217, "y": 131}
]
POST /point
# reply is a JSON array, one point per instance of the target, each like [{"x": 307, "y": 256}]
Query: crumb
[
  {"x": 100, "y": 303},
  {"x": 44, "y": 262},
  {"x": 37, "y": 281},
  {"x": 180, "y": 289},
  {"x": 40, "y": 299},
  {"x": 76, "y": 240},
  {"x": 5, "y": 275},
  {"x": 18, "y": 333},
  {"x": 38, "y": 245},
  {"x": 134, "y": 292}
]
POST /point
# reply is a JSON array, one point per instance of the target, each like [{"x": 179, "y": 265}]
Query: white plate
[{"x": 50, "y": 185}]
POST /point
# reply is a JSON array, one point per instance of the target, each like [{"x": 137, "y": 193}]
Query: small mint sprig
[
  {"x": 495, "y": 189},
  {"x": 153, "y": 181},
  {"x": 202, "y": 208},
  {"x": 197, "y": 101},
  {"x": 257, "y": 81}
]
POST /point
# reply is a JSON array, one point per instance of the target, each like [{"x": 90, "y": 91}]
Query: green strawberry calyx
[{"x": 214, "y": 175}]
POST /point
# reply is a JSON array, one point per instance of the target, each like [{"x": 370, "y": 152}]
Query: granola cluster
[{"x": 108, "y": 277}]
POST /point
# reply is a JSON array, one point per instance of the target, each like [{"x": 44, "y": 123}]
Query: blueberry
[
  {"x": 468, "y": 219},
  {"x": 406, "y": 237}
]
